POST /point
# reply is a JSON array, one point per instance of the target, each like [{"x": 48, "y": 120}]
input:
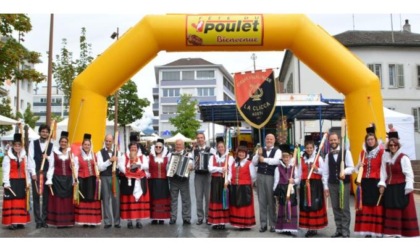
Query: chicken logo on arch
[{"x": 198, "y": 27}]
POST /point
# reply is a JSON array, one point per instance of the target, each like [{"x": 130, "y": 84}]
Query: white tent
[
  {"x": 178, "y": 136},
  {"x": 9, "y": 136},
  {"x": 404, "y": 124},
  {"x": 7, "y": 121}
]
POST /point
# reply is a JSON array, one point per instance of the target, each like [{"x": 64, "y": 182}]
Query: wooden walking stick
[
  {"x": 359, "y": 202},
  {"x": 342, "y": 163},
  {"x": 114, "y": 167}
]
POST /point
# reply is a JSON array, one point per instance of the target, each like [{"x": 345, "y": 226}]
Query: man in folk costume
[
  {"x": 218, "y": 166},
  {"x": 135, "y": 196},
  {"x": 16, "y": 181},
  {"x": 202, "y": 177},
  {"x": 369, "y": 215},
  {"x": 160, "y": 197},
  {"x": 331, "y": 180},
  {"x": 285, "y": 174},
  {"x": 60, "y": 179},
  {"x": 110, "y": 202},
  {"x": 241, "y": 176},
  {"x": 267, "y": 160},
  {"x": 88, "y": 212},
  {"x": 37, "y": 151},
  {"x": 178, "y": 184},
  {"x": 313, "y": 209}
]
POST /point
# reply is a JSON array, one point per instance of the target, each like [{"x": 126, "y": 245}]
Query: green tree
[
  {"x": 56, "y": 117},
  {"x": 28, "y": 117},
  {"x": 185, "y": 121},
  {"x": 65, "y": 69},
  {"x": 5, "y": 110},
  {"x": 130, "y": 106},
  {"x": 13, "y": 53}
]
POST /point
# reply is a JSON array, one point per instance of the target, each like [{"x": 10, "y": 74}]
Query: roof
[
  {"x": 379, "y": 38},
  {"x": 189, "y": 62},
  {"x": 226, "y": 113}
]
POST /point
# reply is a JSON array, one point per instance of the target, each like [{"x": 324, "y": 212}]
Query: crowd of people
[{"x": 72, "y": 185}]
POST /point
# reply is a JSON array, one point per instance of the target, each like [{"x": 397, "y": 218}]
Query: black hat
[
  {"x": 284, "y": 148},
  {"x": 160, "y": 140},
  {"x": 219, "y": 139},
  {"x": 309, "y": 138},
  {"x": 17, "y": 138},
  {"x": 370, "y": 129},
  {"x": 87, "y": 136},
  {"x": 134, "y": 137},
  {"x": 64, "y": 134},
  {"x": 243, "y": 143},
  {"x": 393, "y": 134}
]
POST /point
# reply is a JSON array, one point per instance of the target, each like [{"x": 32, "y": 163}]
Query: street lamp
[
  {"x": 20, "y": 39},
  {"x": 113, "y": 36}
]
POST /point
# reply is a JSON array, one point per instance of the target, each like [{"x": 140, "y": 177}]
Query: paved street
[{"x": 170, "y": 231}]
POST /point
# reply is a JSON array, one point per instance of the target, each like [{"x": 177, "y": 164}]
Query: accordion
[{"x": 178, "y": 165}]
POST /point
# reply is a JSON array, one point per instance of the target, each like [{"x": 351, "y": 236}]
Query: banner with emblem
[{"x": 255, "y": 94}]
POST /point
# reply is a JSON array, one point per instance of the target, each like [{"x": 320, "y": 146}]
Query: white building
[
  {"x": 393, "y": 55},
  {"x": 25, "y": 94},
  {"x": 204, "y": 80},
  {"x": 59, "y": 105}
]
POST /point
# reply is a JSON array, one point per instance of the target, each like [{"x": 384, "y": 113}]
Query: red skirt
[
  {"x": 369, "y": 221},
  {"x": 88, "y": 213},
  {"x": 160, "y": 209},
  {"x": 14, "y": 212},
  {"x": 314, "y": 220},
  {"x": 132, "y": 210},
  {"x": 218, "y": 215},
  {"x": 60, "y": 211},
  {"x": 402, "y": 222},
  {"x": 242, "y": 217}
]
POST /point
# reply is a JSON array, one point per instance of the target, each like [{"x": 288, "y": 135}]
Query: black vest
[
  {"x": 38, "y": 156},
  {"x": 264, "y": 168},
  {"x": 105, "y": 157},
  {"x": 334, "y": 168}
]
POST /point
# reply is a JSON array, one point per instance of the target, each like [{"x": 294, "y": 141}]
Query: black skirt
[
  {"x": 370, "y": 192},
  {"x": 63, "y": 186},
  {"x": 18, "y": 186},
  {"x": 395, "y": 197},
  {"x": 240, "y": 195},
  {"x": 281, "y": 193},
  {"x": 159, "y": 188},
  {"x": 87, "y": 187},
  {"x": 216, "y": 192},
  {"x": 317, "y": 195}
]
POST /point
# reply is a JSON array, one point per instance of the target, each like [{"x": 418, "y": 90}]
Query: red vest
[
  {"x": 15, "y": 172},
  {"x": 307, "y": 167},
  {"x": 137, "y": 174},
  {"x": 157, "y": 170},
  {"x": 241, "y": 175},
  {"x": 62, "y": 167},
  {"x": 372, "y": 165},
  {"x": 394, "y": 172},
  {"x": 86, "y": 167},
  {"x": 215, "y": 163}
]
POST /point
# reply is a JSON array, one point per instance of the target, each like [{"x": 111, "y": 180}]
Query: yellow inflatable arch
[{"x": 226, "y": 32}]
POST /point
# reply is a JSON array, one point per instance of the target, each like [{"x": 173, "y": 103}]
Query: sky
[{"x": 101, "y": 20}]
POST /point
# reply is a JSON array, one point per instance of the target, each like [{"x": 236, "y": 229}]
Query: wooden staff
[
  {"x": 379, "y": 199},
  {"x": 27, "y": 189},
  {"x": 11, "y": 191},
  {"x": 360, "y": 173},
  {"x": 225, "y": 195},
  {"x": 343, "y": 140},
  {"x": 98, "y": 179},
  {"x": 321, "y": 145},
  {"x": 44, "y": 157},
  {"x": 290, "y": 186},
  {"x": 114, "y": 166}
]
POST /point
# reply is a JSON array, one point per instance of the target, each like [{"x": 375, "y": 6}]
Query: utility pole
[
  {"x": 117, "y": 36},
  {"x": 254, "y": 59},
  {"x": 49, "y": 82},
  {"x": 20, "y": 39}
]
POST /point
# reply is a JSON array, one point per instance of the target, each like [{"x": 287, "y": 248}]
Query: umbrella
[
  {"x": 7, "y": 121},
  {"x": 178, "y": 136}
]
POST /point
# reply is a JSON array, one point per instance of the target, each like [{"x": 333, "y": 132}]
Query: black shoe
[
  {"x": 85, "y": 225},
  {"x": 207, "y": 222},
  {"x": 20, "y": 226},
  {"x": 107, "y": 226},
  {"x": 130, "y": 225},
  {"x": 13, "y": 227},
  {"x": 287, "y": 233},
  {"x": 161, "y": 222},
  {"x": 263, "y": 229},
  {"x": 92, "y": 226},
  {"x": 215, "y": 227},
  {"x": 39, "y": 225},
  {"x": 199, "y": 222},
  {"x": 187, "y": 222},
  {"x": 139, "y": 225},
  {"x": 44, "y": 225},
  {"x": 311, "y": 233},
  {"x": 337, "y": 234},
  {"x": 244, "y": 229},
  {"x": 272, "y": 229},
  {"x": 154, "y": 222},
  {"x": 368, "y": 236},
  {"x": 117, "y": 226},
  {"x": 222, "y": 227},
  {"x": 172, "y": 221},
  {"x": 346, "y": 236}
]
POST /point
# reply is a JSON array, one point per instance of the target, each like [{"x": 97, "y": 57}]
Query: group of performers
[{"x": 74, "y": 186}]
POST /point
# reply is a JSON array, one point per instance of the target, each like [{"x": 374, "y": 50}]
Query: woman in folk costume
[
  {"x": 160, "y": 198},
  {"x": 313, "y": 213},
  {"x": 135, "y": 199},
  {"x": 287, "y": 217},
  {"x": 396, "y": 185},
  {"x": 60, "y": 211},
  {"x": 218, "y": 166},
  {"x": 16, "y": 182},
  {"x": 241, "y": 176},
  {"x": 89, "y": 210},
  {"x": 369, "y": 215}
]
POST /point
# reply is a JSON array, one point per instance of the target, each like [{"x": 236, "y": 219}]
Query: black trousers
[{"x": 40, "y": 214}]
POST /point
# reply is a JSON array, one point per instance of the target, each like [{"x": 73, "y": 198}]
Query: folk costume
[
  {"x": 135, "y": 195},
  {"x": 16, "y": 180},
  {"x": 218, "y": 216},
  {"x": 313, "y": 217},
  {"x": 160, "y": 197},
  {"x": 241, "y": 176},
  {"x": 400, "y": 217},
  {"x": 89, "y": 210},
  {"x": 60, "y": 212},
  {"x": 287, "y": 216}
]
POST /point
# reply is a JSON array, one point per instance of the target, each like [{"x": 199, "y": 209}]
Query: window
[
  {"x": 205, "y": 91},
  {"x": 170, "y": 92},
  {"x": 289, "y": 86},
  {"x": 416, "y": 114},
  {"x": 418, "y": 76},
  {"x": 205, "y": 74},
  {"x": 171, "y": 75},
  {"x": 376, "y": 69},
  {"x": 228, "y": 85},
  {"x": 396, "y": 76},
  {"x": 168, "y": 109},
  {"x": 187, "y": 75}
]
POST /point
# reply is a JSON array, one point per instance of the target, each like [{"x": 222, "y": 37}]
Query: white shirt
[
  {"x": 270, "y": 161},
  {"x": 348, "y": 164},
  {"x": 31, "y": 155}
]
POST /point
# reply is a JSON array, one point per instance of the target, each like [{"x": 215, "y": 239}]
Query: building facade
[
  {"x": 59, "y": 105},
  {"x": 394, "y": 56},
  {"x": 204, "y": 80}
]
